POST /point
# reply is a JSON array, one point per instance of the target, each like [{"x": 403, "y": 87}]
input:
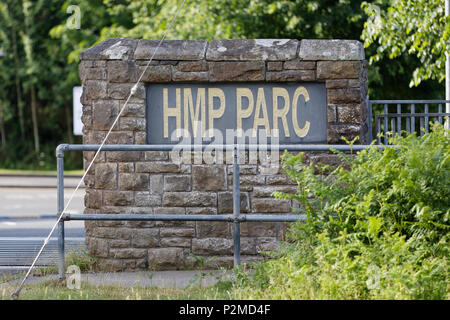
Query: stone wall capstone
[{"x": 151, "y": 183}]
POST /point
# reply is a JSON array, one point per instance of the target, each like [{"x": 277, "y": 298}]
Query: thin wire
[{"x": 133, "y": 90}]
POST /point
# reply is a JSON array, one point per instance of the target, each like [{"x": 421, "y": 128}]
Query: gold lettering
[
  {"x": 215, "y": 113},
  {"x": 301, "y": 132},
  {"x": 258, "y": 121},
  {"x": 280, "y": 113},
  {"x": 240, "y": 114},
  {"x": 172, "y": 112},
  {"x": 193, "y": 113}
]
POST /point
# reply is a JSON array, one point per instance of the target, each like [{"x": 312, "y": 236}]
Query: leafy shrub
[{"x": 377, "y": 227}]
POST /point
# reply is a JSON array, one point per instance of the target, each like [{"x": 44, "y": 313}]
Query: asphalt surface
[{"x": 27, "y": 215}]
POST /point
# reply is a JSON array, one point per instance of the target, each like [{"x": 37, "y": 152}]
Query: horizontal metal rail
[
  {"x": 236, "y": 218},
  {"x": 406, "y": 115},
  {"x": 408, "y": 101},
  {"x": 246, "y": 147},
  {"x": 184, "y": 217}
]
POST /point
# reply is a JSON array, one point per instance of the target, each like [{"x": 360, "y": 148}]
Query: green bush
[{"x": 377, "y": 227}]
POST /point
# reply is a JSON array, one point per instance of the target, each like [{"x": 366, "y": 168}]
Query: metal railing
[
  {"x": 237, "y": 218},
  {"x": 403, "y": 119}
]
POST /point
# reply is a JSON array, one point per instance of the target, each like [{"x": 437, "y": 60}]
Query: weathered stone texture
[
  {"x": 209, "y": 178},
  {"x": 237, "y": 71},
  {"x": 331, "y": 50},
  {"x": 171, "y": 50},
  {"x": 149, "y": 182},
  {"x": 252, "y": 49}
]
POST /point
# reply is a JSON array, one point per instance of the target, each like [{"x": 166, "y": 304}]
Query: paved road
[
  {"x": 19, "y": 202},
  {"x": 41, "y": 181},
  {"x": 27, "y": 214}
]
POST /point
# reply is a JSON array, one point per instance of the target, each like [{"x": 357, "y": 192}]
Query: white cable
[{"x": 133, "y": 90}]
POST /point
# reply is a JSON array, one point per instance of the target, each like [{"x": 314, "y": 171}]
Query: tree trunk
[
  {"x": 34, "y": 118},
  {"x": 18, "y": 88},
  {"x": 2, "y": 128}
]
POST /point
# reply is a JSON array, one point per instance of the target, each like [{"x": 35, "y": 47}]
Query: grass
[
  {"x": 40, "y": 172},
  {"x": 54, "y": 290}
]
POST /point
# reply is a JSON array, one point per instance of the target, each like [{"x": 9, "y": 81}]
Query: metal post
[
  {"x": 369, "y": 123},
  {"x": 60, "y": 199},
  {"x": 447, "y": 72},
  {"x": 236, "y": 209}
]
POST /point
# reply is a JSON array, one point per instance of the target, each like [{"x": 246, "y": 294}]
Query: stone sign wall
[{"x": 150, "y": 182}]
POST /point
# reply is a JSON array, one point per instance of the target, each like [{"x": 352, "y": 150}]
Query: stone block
[
  {"x": 145, "y": 238},
  {"x": 105, "y": 112},
  {"x": 189, "y": 199},
  {"x": 171, "y": 50},
  {"x": 156, "y": 155},
  {"x": 190, "y": 76},
  {"x": 299, "y": 65},
  {"x": 133, "y": 181},
  {"x": 121, "y": 91},
  {"x": 208, "y": 229},
  {"x": 339, "y": 69},
  {"x": 165, "y": 258},
  {"x": 346, "y": 95},
  {"x": 94, "y": 90},
  {"x": 266, "y": 244},
  {"x": 331, "y": 50},
  {"x": 127, "y": 253},
  {"x": 105, "y": 175},
  {"x": 177, "y": 232},
  {"x": 192, "y": 66},
  {"x": 124, "y": 156},
  {"x": 209, "y": 178},
  {"x": 336, "y": 84},
  {"x": 276, "y": 180},
  {"x": 252, "y": 49},
  {"x": 155, "y": 73},
  {"x": 225, "y": 202},
  {"x": 136, "y": 110},
  {"x": 177, "y": 183},
  {"x": 127, "y": 167},
  {"x": 236, "y": 71},
  {"x": 331, "y": 113},
  {"x": 270, "y": 205},
  {"x": 119, "y": 243},
  {"x": 97, "y": 247},
  {"x": 146, "y": 199},
  {"x": 156, "y": 184},
  {"x": 157, "y": 167},
  {"x": 132, "y": 124},
  {"x": 275, "y": 66},
  {"x": 201, "y": 210},
  {"x": 291, "y": 75},
  {"x": 176, "y": 242},
  {"x": 121, "y": 71},
  {"x": 93, "y": 199},
  {"x": 350, "y": 113},
  {"x": 335, "y": 132},
  {"x": 265, "y": 191},
  {"x": 111, "y": 49},
  {"x": 212, "y": 246},
  {"x": 113, "y": 233},
  {"x": 118, "y": 198},
  {"x": 259, "y": 229}
]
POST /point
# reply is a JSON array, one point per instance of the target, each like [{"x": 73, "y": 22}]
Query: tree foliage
[
  {"x": 42, "y": 53},
  {"x": 418, "y": 28}
]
